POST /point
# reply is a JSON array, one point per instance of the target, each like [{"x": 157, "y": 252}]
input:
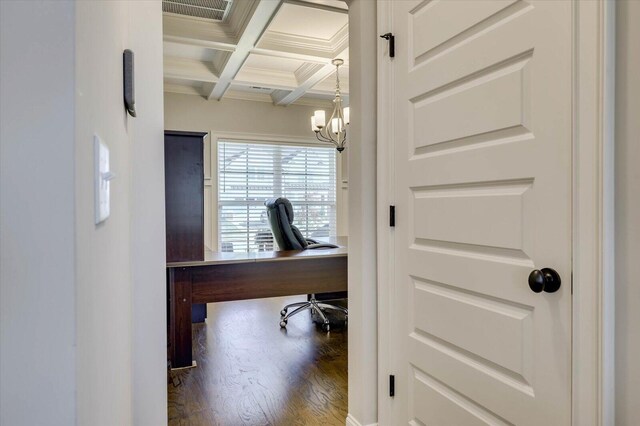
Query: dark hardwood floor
[{"x": 251, "y": 372}]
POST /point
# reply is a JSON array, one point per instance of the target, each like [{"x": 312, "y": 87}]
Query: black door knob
[{"x": 546, "y": 280}]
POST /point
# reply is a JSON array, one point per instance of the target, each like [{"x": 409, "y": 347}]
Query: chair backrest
[{"x": 286, "y": 234}]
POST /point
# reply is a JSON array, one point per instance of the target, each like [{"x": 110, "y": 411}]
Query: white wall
[
  {"x": 190, "y": 112},
  {"x": 37, "y": 284},
  {"x": 83, "y": 336},
  {"x": 627, "y": 213},
  {"x": 117, "y": 356},
  {"x": 103, "y": 271},
  {"x": 147, "y": 224},
  {"x": 233, "y": 117}
]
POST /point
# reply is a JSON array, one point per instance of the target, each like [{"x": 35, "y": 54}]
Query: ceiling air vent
[
  {"x": 214, "y": 10},
  {"x": 260, "y": 88}
]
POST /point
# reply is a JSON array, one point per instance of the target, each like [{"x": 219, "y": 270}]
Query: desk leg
[{"x": 180, "y": 317}]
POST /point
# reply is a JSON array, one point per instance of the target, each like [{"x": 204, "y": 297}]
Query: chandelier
[{"x": 335, "y": 130}]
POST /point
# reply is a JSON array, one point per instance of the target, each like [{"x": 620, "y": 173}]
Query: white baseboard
[{"x": 351, "y": 421}]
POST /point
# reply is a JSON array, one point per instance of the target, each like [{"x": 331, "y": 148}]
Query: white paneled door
[{"x": 482, "y": 131}]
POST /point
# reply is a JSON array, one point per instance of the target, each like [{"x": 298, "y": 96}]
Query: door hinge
[
  {"x": 392, "y": 385},
  {"x": 392, "y": 43},
  {"x": 571, "y": 282},
  {"x": 392, "y": 215}
]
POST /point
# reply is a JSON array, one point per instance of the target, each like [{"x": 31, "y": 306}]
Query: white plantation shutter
[{"x": 250, "y": 172}]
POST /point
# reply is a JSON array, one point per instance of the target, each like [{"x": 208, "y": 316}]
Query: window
[{"x": 251, "y": 172}]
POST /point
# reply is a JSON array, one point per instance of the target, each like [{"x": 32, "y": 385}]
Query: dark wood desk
[{"x": 223, "y": 277}]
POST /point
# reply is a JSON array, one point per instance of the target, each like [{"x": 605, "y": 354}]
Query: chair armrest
[{"x": 321, "y": 245}]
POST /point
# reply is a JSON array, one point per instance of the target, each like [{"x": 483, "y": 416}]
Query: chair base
[{"x": 314, "y": 306}]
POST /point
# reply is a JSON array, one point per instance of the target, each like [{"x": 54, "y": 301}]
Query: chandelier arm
[
  {"x": 329, "y": 125},
  {"x": 322, "y": 138},
  {"x": 342, "y": 125},
  {"x": 325, "y": 134}
]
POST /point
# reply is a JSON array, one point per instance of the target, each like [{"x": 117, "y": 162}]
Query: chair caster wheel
[
  {"x": 326, "y": 326},
  {"x": 283, "y": 312},
  {"x": 283, "y": 323}
]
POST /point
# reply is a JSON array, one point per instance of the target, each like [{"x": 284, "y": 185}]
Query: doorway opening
[{"x": 241, "y": 84}]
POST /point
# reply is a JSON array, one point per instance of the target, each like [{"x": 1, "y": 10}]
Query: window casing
[{"x": 251, "y": 172}]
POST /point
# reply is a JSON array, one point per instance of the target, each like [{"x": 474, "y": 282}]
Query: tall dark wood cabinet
[{"x": 184, "y": 195}]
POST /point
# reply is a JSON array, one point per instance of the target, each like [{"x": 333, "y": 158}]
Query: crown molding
[
  {"x": 319, "y": 103},
  {"x": 310, "y": 46},
  {"x": 247, "y": 96},
  {"x": 272, "y": 40},
  {"x": 277, "y": 96},
  {"x": 340, "y": 41}
]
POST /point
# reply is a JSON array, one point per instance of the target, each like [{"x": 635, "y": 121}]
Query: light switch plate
[{"x": 102, "y": 178}]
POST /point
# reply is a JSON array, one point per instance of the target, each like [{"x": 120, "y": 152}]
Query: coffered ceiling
[{"x": 277, "y": 51}]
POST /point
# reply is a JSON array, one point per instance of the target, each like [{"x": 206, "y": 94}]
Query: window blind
[{"x": 251, "y": 172}]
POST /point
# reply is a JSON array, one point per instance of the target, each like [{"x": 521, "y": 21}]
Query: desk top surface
[{"x": 221, "y": 258}]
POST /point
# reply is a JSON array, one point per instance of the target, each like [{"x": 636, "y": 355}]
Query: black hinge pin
[
  {"x": 392, "y": 215},
  {"x": 392, "y": 385},
  {"x": 392, "y": 43}
]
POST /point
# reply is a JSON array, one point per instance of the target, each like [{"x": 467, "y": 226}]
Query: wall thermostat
[{"x": 128, "y": 82}]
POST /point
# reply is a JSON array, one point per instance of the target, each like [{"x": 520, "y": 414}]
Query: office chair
[{"x": 289, "y": 237}]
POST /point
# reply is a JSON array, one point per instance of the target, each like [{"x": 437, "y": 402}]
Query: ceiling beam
[
  {"x": 316, "y": 59},
  {"x": 188, "y": 69},
  {"x": 311, "y": 77},
  {"x": 227, "y": 46},
  {"x": 319, "y": 6},
  {"x": 180, "y": 29},
  {"x": 277, "y": 95},
  {"x": 258, "y": 23},
  {"x": 311, "y": 81},
  {"x": 283, "y": 87},
  {"x": 182, "y": 89}
]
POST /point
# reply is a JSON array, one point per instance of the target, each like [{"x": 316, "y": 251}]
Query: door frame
[{"x": 592, "y": 218}]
